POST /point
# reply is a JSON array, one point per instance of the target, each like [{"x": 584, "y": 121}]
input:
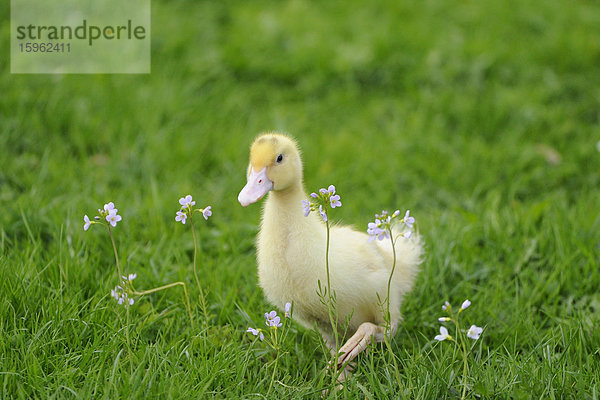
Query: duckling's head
[{"x": 274, "y": 165}]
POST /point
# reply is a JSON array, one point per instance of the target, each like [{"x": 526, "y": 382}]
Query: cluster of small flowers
[
  {"x": 272, "y": 320},
  {"x": 382, "y": 226},
  {"x": 109, "y": 213},
  {"x": 326, "y": 197},
  {"x": 122, "y": 293},
  {"x": 473, "y": 332},
  {"x": 186, "y": 209},
  {"x": 119, "y": 293}
]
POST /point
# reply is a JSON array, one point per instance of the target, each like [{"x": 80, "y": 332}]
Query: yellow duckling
[{"x": 291, "y": 254}]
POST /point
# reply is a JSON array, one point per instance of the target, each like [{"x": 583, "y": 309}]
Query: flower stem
[
  {"x": 202, "y": 298},
  {"x": 195, "y": 250},
  {"x": 388, "y": 343},
  {"x": 463, "y": 347},
  {"x": 327, "y": 268},
  {"x": 331, "y": 306},
  {"x": 273, "y": 374},
  {"x": 388, "y": 318},
  {"x": 129, "y": 343},
  {"x": 465, "y": 372},
  {"x": 112, "y": 239}
]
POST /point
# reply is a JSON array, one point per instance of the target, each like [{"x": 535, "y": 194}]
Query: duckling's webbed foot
[{"x": 365, "y": 334}]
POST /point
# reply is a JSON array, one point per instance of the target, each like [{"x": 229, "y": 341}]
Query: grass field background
[{"x": 481, "y": 117}]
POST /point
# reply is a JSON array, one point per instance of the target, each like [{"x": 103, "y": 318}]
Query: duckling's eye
[{"x": 280, "y": 158}]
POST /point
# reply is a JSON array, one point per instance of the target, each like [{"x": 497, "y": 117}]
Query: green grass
[{"x": 447, "y": 108}]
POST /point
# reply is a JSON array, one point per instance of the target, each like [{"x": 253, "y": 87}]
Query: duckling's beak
[{"x": 258, "y": 185}]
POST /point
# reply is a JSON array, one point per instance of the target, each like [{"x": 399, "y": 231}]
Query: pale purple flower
[
  {"x": 131, "y": 277},
  {"x": 407, "y": 234},
  {"x": 323, "y": 191},
  {"x": 275, "y": 322},
  {"x": 335, "y": 200},
  {"x": 446, "y": 306},
  {"x": 331, "y": 189},
  {"x": 207, "y": 212},
  {"x": 113, "y": 218},
  {"x": 288, "y": 309},
  {"x": 465, "y": 305},
  {"x": 187, "y": 201},
  {"x": 375, "y": 231},
  {"x": 110, "y": 207},
  {"x": 87, "y": 223},
  {"x": 272, "y": 319},
  {"x": 382, "y": 223},
  {"x": 396, "y": 213},
  {"x": 306, "y": 207},
  {"x": 443, "y": 319},
  {"x": 381, "y": 232},
  {"x": 181, "y": 216},
  {"x": 314, "y": 195},
  {"x": 323, "y": 213},
  {"x": 256, "y": 332},
  {"x": 408, "y": 220},
  {"x": 443, "y": 334},
  {"x": 372, "y": 231},
  {"x": 121, "y": 296},
  {"x": 474, "y": 332}
]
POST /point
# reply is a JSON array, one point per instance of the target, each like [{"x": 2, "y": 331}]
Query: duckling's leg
[{"x": 365, "y": 333}]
